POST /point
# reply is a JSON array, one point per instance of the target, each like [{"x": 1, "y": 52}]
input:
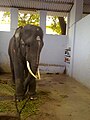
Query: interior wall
[
  {"x": 79, "y": 41},
  {"x": 4, "y": 59},
  {"x": 81, "y": 69},
  {"x": 75, "y": 15},
  {"x": 71, "y": 32},
  {"x": 52, "y": 54},
  {"x": 4, "y": 41}
]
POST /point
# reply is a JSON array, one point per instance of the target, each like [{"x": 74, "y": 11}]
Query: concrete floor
[{"x": 67, "y": 99}]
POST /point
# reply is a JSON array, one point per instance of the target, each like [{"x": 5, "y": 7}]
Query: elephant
[{"x": 24, "y": 52}]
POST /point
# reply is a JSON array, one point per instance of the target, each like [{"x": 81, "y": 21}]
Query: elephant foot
[
  {"x": 33, "y": 96},
  {"x": 19, "y": 98}
]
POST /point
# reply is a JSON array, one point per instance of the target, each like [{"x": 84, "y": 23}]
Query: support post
[
  {"x": 14, "y": 19},
  {"x": 75, "y": 16},
  {"x": 43, "y": 20}
]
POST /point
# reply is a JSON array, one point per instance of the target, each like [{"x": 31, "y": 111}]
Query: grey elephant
[{"x": 24, "y": 53}]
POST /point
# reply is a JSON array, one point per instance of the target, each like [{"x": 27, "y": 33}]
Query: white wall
[
  {"x": 71, "y": 32},
  {"x": 75, "y": 15},
  {"x": 79, "y": 41},
  {"x": 53, "y": 53},
  {"x": 4, "y": 59},
  {"x": 4, "y": 41},
  {"x": 81, "y": 69}
]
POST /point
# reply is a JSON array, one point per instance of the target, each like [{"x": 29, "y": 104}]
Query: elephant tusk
[
  {"x": 38, "y": 74},
  {"x": 29, "y": 69}
]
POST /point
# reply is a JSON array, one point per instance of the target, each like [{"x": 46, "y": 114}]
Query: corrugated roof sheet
[{"x": 49, "y": 5}]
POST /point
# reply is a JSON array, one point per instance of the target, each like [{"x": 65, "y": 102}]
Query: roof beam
[
  {"x": 35, "y": 9},
  {"x": 55, "y": 2}
]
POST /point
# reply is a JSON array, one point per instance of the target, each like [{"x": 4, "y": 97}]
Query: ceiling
[{"x": 63, "y": 6}]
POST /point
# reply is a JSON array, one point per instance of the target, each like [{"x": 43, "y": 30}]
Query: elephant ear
[{"x": 17, "y": 36}]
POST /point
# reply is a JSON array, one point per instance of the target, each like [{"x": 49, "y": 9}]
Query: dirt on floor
[{"x": 66, "y": 99}]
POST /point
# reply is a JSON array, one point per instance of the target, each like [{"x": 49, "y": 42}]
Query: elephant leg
[
  {"x": 30, "y": 85},
  {"x": 26, "y": 72},
  {"x": 12, "y": 71},
  {"x": 19, "y": 80},
  {"x": 30, "y": 82}
]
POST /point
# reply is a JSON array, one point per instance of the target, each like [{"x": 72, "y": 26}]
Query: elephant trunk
[{"x": 30, "y": 71}]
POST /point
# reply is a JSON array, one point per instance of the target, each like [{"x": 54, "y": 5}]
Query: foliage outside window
[
  {"x": 23, "y": 19},
  {"x": 4, "y": 21},
  {"x": 55, "y": 25},
  {"x": 28, "y": 18}
]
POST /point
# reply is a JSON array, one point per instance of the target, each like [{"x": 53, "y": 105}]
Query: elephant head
[
  {"x": 29, "y": 42},
  {"x": 24, "y": 52}
]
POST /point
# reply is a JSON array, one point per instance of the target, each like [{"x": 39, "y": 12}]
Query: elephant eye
[{"x": 28, "y": 45}]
